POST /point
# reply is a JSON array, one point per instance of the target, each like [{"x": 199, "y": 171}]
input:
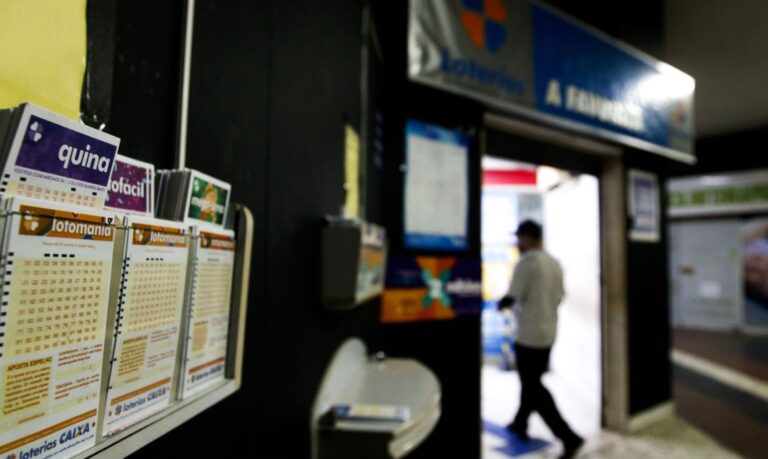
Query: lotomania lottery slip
[
  {"x": 208, "y": 324},
  {"x": 146, "y": 342},
  {"x": 57, "y": 268},
  {"x": 53, "y": 158}
]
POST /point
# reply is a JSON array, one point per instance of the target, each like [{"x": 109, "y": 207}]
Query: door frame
[{"x": 613, "y": 254}]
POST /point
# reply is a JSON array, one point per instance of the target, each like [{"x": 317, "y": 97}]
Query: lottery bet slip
[
  {"x": 144, "y": 361},
  {"x": 131, "y": 187},
  {"x": 56, "y": 263},
  {"x": 47, "y": 156},
  {"x": 210, "y": 300}
]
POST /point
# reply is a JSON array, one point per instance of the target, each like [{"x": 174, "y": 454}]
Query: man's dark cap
[{"x": 529, "y": 228}]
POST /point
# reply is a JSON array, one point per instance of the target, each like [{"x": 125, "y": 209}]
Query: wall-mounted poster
[
  {"x": 436, "y": 187},
  {"x": 431, "y": 288},
  {"x": 754, "y": 259},
  {"x": 643, "y": 206}
]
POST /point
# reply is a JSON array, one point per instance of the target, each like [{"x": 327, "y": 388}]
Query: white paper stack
[{"x": 210, "y": 300}]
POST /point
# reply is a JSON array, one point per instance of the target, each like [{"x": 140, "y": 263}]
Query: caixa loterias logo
[{"x": 484, "y": 22}]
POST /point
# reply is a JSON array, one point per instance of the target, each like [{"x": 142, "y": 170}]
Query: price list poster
[
  {"x": 206, "y": 345},
  {"x": 148, "y": 321},
  {"x": 56, "y": 265}
]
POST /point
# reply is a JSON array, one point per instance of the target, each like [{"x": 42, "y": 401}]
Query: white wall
[{"x": 572, "y": 235}]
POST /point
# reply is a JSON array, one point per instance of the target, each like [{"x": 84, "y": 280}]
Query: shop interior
[{"x": 567, "y": 205}]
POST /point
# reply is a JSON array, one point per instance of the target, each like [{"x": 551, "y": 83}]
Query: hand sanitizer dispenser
[{"x": 353, "y": 256}]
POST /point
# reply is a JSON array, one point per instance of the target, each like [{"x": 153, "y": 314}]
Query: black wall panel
[
  {"x": 648, "y": 304},
  {"x": 145, "y": 86},
  {"x": 272, "y": 85}
]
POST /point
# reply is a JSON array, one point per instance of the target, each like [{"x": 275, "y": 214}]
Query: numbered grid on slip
[
  {"x": 70, "y": 197},
  {"x": 153, "y": 296},
  {"x": 212, "y": 289},
  {"x": 55, "y": 301}
]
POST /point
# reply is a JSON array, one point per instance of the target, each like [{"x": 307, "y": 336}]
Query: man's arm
[{"x": 518, "y": 288}]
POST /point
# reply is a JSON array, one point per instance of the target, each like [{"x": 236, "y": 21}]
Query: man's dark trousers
[{"x": 532, "y": 363}]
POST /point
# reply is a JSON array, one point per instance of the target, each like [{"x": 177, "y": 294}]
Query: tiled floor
[
  {"x": 499, "y": 402},
  {"x": 674, "y": 438},
  {"x": 671, "y": 439}
]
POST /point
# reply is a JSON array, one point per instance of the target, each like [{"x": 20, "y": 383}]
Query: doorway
[
  {"x": 519, "y": 183},
  {"x": 566, "y": 204}
]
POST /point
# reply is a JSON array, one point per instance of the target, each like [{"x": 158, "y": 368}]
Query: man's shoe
[
  {"x": 571, "y": 447},
  {"x": 520, "y": 431}
]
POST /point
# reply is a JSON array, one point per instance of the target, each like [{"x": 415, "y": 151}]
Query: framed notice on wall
[
  {"x": 436, "y": 187},
  {"x": 643, "y": 206}
]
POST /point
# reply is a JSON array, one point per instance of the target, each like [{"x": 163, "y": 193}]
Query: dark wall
[
  {"x": 131, "y": 85},
  {"x": 648, "y": 304},
  {"x": 272, "y": 85},
  {"x": 736, "y": 151}
]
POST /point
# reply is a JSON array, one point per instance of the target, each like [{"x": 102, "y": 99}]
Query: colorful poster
[
  {"x": 56, "y": 291},
  {"x": 206, "y": 347},
  {"x": 644, "y": 206},
  {"x": 755, "y": 267},
  {"x": 208, "y": 199},
  {"x": 373, "y": 257},
  {"x": 149, "y": 321},
  {"x": 431, "y": 288},
  {"x": 436, "y": 187},
  {"x": 55, "y": 159},
  {"x": 131, "y": 187}
]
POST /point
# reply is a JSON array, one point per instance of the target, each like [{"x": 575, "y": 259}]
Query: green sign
[
  {"x": 720, "y": 196},
  {"x": 731, "y": 193},
  {"x": 208, "y": 201}
]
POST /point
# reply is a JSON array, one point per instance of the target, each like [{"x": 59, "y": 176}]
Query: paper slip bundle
[{"x": 47, "y": 156}]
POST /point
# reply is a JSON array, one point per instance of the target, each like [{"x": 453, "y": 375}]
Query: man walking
[{"x": 536, "y": 291}]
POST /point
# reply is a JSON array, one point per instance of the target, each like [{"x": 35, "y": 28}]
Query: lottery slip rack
[{"x": 132, "y": 438}]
